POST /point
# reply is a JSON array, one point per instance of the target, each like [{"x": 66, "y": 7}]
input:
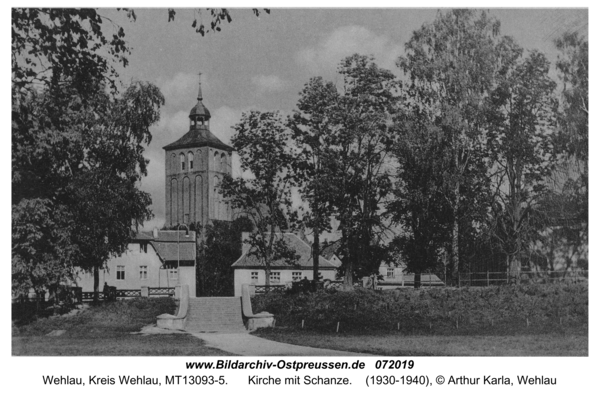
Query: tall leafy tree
[
  {"x": 522, "y": 124},
  {"x": 420, "y": 206},
  {"x": 262, "y": 143},
  {"x": 356, "y": 159},
  {"x": 77, "y": 145},
  {"x": 312, "y": 129},
  {"x": 450, "y": 66},
  {"x": 573, "y": 73},
  {"x": 573, "y": 133}
]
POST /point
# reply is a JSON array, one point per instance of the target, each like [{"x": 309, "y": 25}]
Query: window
[
  {"x": 390, "y": 272},
  {"x": 223, "y": 163},
  {"x": 253, "y": 277},
  {"x": 173, "y": 274},
  {"x": 296, "y": 276},
  {"x": 191, "y": 160},
  {"x": 120, "y": 272},
  {"x": 275, "y": 277},
  {"x": 143, "y": 272},
  {"x": 182, "y": 160}
]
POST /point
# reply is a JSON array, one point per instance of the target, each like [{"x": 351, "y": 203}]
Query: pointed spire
[{"x": 199, "y": 86}]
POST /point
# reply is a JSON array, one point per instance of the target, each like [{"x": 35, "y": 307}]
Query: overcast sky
[{"x": 262, "y": 63}]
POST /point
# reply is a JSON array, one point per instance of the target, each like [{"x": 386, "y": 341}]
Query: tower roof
[
  {"x": 200, "y": 109},
  {"x": 199, "y": 137}
]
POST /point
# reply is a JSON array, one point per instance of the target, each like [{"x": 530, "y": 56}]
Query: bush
[
  {"x": 119, "y": 316},
  {"x": 531, "y": 308}
]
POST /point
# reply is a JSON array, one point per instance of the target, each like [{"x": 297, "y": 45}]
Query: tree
[
  {"x": 573, "y": 72},
  {"x": 354, "y": 132},
  {"x": 76, "y": 146},
  {"x": 420, "y": 206},
  {"x": 87, "y": 161},
  {"x": 311, "y": 127},
  {"x": 521, "y": 118},
  {"x": 41, "y": 247},
  {"x": 261, "y": 141},
  {"x": 450, "y": 66},
  {"x": 572, "y": 137},
  {"x": 216, "y": 17},
  {"x": 55, "y": 46},
  {"x": 220, "y": 247}
]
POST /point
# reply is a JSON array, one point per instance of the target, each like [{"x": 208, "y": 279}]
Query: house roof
[
  {"x": 170, "y": 251},
  {"x": 167, "y": 247},
  {"x": 331, "y": 249},
  {"x": 171, "y": 236},
  {"x": 200, "y": 136},
  {"x": 297, "y": 244}
]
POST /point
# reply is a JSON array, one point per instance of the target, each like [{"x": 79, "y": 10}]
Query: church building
[{"x": 194, "y": 166}]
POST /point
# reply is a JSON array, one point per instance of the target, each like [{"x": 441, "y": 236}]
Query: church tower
[{"x": 194, "y": 166}]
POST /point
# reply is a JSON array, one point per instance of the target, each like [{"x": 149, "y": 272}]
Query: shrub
[{"x": 497, "y": 310}]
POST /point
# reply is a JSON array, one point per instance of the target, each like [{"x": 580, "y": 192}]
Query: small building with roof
[
  {"x": 156, "y": 259},
  {"x": 249, "y": 270}
]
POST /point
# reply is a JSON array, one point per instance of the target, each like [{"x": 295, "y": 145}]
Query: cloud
[
  {"x": 268, "y": 83},
  {"x": 179, "y": 90},
  {"x": 345, "y": 41}
]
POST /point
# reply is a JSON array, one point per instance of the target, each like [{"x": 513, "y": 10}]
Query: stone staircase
[{"x": 215, "y": 314}]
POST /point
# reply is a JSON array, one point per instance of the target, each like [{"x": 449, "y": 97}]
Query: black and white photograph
[{"x": 364, "y": 183}]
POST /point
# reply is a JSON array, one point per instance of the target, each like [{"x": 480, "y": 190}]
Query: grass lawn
[
  {"x": 113, "y": 344},
  {"x": 438, "y": 345},
  {"x": 108, "y": 329}
]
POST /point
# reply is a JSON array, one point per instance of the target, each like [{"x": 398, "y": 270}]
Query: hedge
[{"x": 498, "y": 309}]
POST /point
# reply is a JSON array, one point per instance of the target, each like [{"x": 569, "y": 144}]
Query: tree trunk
[
  {"x": 315, "y": 256},
  {"x": 417, "y": 282},
  {"x": 267, "y": 276},
  {"x": 348, "y": 277},
  {"x": 514, "y": 267},
  {"x": 455, "y": 206},
  {"x": 455, "y": 253},
  {"x": 348, "y": 266},
  {"x": 40, "y": 296},
  {"x": 96, "y": 283}
]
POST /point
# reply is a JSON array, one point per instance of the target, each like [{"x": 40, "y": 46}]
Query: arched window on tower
[
  {"x": 223, "y": 163},
  {"x": 191, "y": 160},
  {"x": 173, "y": 166},
  {"x": 216, "y": 197},
  {"x": 182, "y": 160},
  {"x": 216, "y": 161}
]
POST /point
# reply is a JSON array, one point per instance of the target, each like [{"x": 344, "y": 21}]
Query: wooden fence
[
  {"x": 114, "y": 294},
  {"x": 482, "y": 279}
]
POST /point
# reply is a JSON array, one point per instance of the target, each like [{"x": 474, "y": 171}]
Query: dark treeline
[{"x": 475, "y": 160}]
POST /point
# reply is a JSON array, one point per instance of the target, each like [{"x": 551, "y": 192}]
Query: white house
[
  {"x": 155, "y": 259},
  {"x": 249, "y": 270}
]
